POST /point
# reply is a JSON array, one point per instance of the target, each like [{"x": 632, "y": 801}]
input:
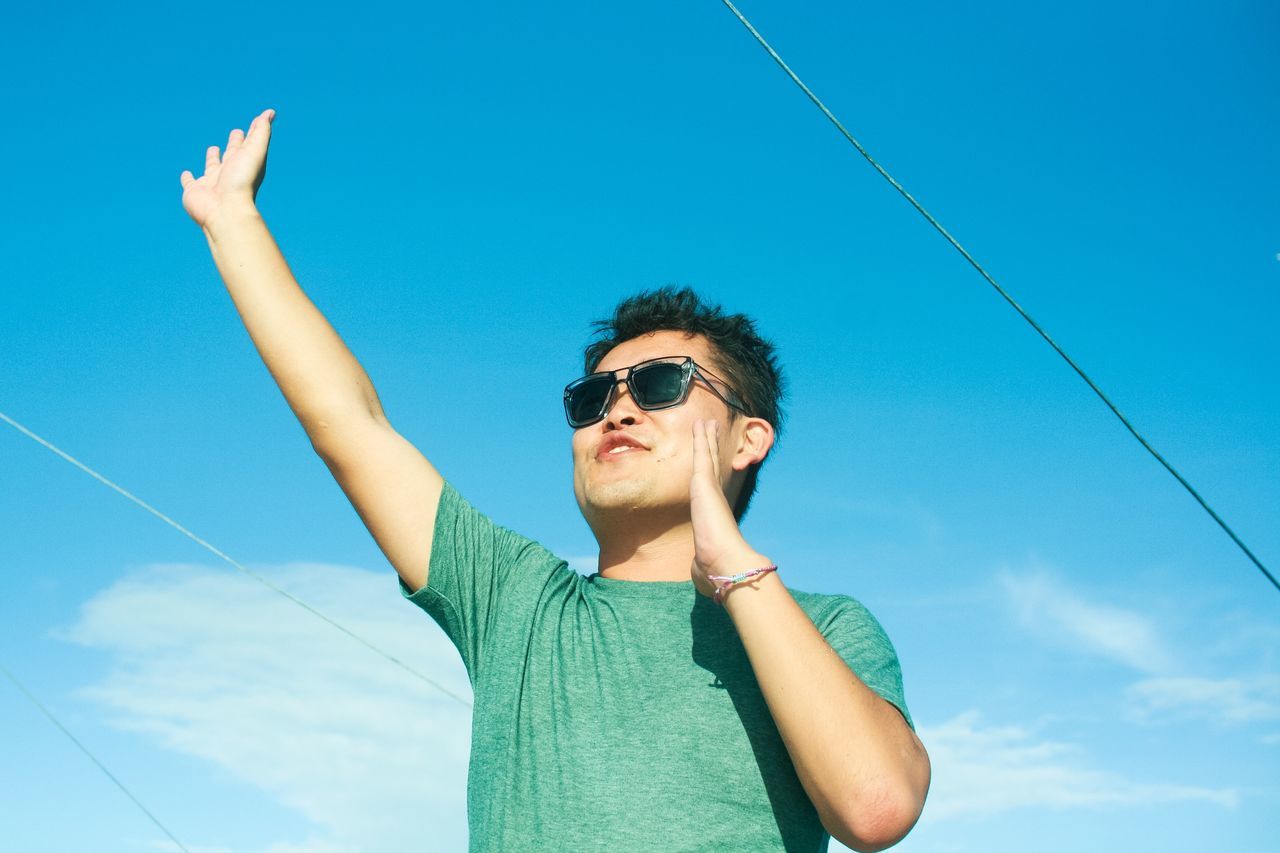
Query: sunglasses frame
[{"x": 690, "y": 369}]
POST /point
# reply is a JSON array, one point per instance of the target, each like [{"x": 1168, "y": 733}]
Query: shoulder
[
  {"x": 458, "y": 515},
  {"x": 472, "y": 549},
  {"x": 827, "y": 608},
  {"x": 857, "y": 636},
  {"x": 850, "y": 628}
]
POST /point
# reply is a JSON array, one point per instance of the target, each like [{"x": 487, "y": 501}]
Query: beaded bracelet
[{"x": 729, "y": 581}]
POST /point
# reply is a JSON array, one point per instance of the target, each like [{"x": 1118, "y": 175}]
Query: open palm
[{"x": 233, "y": 177}]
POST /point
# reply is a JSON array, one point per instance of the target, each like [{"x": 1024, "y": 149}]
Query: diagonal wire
[
  {"x": 956, "y": 245},
  {"x": 34, "y": 701},
  {"x": 217, "y": 553}
]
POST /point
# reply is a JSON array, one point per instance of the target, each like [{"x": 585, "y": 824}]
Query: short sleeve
[
  {"x": 477, "y": 568},
  {"x": 862, "y": 643}
]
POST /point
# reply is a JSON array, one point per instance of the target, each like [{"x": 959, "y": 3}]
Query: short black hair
[{"x": 743, "y": 358}]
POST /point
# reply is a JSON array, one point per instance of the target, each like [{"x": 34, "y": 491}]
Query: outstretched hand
[
  {"x": 719, "y": 547},
  {"x": 232, "y": 177}
]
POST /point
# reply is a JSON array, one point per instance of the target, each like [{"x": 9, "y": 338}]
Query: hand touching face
[{"x": 719, "y": 547}]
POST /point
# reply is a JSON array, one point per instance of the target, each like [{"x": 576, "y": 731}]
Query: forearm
[
  {"x": 322, "y": 381},
  {"x": 859, "y": 762}
]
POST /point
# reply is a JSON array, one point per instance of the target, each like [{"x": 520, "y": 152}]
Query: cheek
[{"x": 675, "y": 453}]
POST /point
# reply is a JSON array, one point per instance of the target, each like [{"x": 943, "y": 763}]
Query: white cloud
[
  {"x": 312, "y": 845},
  {"x": 1223, "y": 700},
  {"x": 213, "y": 665},
  {"x": 1048, "y": 608},
  {"x": 984, "y": 770}
]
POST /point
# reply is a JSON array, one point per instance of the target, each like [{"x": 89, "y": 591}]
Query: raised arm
[{"x": 391, "y": 485}]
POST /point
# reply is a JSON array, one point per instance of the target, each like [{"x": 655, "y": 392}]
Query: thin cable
[
  {"x": 34, "y": 701},
  {"x": 217, "y": 553},
  {"x": 897, "y": 186}
]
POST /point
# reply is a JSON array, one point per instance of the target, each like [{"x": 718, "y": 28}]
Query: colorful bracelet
[{"x": 729, "y": 581}]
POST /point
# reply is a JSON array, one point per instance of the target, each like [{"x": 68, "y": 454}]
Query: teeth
[{"x": 621, "y": 448}]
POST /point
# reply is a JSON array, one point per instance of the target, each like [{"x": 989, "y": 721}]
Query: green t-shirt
[{"x": 616, "y": 714}]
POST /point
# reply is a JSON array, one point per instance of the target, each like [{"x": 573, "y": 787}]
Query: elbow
[
  {"x": 336, "y": 436},
  {"x": 879, "y": 818}
]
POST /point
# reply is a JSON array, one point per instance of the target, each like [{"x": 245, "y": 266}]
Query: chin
[{"x": 623, "y": 494}]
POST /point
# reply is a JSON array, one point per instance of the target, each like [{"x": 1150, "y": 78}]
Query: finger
[
  {"x": 235, "y": 139},
  {"x": 186, "y": 178},
  {"x": 261, "y": 126},
  {"x": 211, "y": 160},
  {"x": 711, "y": 509},
  {"x": 701, "y": 451},
  {"x": 713, "y": 447}
]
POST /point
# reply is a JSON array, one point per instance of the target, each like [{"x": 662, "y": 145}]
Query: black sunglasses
[{"x": 660, "y": 383}]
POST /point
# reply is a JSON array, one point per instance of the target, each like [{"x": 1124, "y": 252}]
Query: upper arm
[
  {"x": 857, "y": 636},
  {"x": 860, "y": 640},
  {"x": 392, "y": 486}
]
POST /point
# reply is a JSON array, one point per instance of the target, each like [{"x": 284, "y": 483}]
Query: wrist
[
  {"x": 741, "y": 570},
  {"x": 232, "y": 213},
  {"x": 742, "y": 598}
]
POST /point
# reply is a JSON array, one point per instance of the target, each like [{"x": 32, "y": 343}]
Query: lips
[{"x": 617, "y": 444}]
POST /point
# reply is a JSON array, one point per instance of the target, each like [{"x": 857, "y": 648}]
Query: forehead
[{"x": 658, "y": 345}]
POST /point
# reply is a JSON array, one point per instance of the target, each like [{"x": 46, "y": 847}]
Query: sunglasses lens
[
  {"x": 587, "y": 400},
  {"x": 659, "y": 384}
]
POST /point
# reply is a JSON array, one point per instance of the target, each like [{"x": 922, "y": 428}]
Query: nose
[{"x": 623, "y": 411}]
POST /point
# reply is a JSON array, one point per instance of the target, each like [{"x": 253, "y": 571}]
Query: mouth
[{"x": 616, "y": 447}]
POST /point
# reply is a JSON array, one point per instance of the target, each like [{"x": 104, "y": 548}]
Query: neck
[{"x": 631, "y": 550}]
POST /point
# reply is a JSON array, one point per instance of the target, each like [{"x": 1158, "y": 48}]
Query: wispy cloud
[
  {"x": 1049, "y": 608},
  {"x": 1222, "y": 700},
  {"x": 213, "y": 665},
  {"x": 985, "y": 770}
]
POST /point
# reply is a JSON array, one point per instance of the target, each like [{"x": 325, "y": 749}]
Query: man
[{"x": 682, "y": 698}]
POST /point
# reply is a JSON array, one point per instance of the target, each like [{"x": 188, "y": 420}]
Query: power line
[
  {"x": 34, "y": 701},
  {"x": 222, "y": 556},
  {"x": 956, "y": 245}
]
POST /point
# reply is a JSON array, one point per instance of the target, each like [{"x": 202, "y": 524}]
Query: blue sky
[{"x": 1091, "y": 662}]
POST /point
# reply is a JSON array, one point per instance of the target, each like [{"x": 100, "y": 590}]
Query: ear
[{"x": 755, "y": 439}]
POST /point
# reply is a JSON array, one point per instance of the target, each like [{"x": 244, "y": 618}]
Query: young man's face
[{"x": 638, "y": 460}]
